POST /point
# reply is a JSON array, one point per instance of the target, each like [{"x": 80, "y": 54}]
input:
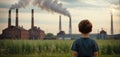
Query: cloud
[
  {"x": 91, "y": 3},
  {"x": 84, "y": 3},
  {"x": 2, "y": 5},
  {"x": 69, "y": 1},
  {"x": 115, "y": 2},
  {"x": 8, "y": 2},
  {"x": 94, "y": 5}
]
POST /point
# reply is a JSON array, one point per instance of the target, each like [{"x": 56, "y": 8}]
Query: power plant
[
  {"x": 62, "y": 33},
  {"x": 17, "y": 32}
]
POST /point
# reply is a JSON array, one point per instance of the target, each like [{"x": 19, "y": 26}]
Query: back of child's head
[{"x": 85, "y": 26}]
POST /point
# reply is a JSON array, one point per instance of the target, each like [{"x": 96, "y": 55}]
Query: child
[{"x": 84, "y": 46}]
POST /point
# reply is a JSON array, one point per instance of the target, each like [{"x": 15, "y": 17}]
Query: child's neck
[{"x": 85, "y": 35}]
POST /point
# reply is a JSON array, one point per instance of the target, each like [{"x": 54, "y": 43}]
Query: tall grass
[{"x": 47, "y": 48}]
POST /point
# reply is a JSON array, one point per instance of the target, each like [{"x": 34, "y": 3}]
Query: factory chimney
[
  {"x": 111, "y": 23},
  {"x": 60, "y": 23},
  {"x": 9, "y": 18},
  {"x": 70, "y": 27},
  {"x": 16, "y": 18},
  {"x": 32, "y": 21}
]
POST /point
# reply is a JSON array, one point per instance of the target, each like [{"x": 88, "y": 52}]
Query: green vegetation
[{"x": 52, "y": 48}]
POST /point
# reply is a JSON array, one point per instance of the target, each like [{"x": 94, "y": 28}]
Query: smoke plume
[
  {"x": 20, "y": 4},
  {"x": 48, "y": 5}
]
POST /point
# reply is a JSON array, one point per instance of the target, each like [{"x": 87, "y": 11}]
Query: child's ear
[
  {"x": 78, "y": 30},
  {"x": 91, "y": 30}
]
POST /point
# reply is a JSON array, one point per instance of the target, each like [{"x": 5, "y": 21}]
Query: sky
[{"x": 97, "y": 11}]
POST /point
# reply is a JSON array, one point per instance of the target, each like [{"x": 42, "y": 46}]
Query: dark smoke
[{"x": 48, "y": 5}]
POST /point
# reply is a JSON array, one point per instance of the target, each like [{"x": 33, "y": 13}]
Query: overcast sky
[{"x": 97, "y": 11}]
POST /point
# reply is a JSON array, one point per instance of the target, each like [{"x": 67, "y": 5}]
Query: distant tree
[{"x": 49, "y": 35}]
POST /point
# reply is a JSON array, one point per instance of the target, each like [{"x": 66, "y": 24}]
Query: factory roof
[
  {"x": 102, "y": 31},
  {"x": 35, "y": 28},
  {"x": 14, "y": 28}
]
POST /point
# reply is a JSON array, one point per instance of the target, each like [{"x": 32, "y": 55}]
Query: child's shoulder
[
  {"x": 93, "y": 40},
  {"x": 77, "y": 40}
]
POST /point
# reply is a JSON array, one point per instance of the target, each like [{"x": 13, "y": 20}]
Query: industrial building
[
  {"x": 34, "y": 32},
  {"x": 61, "y": 33},
  {"x": 17, "y": 32},
  {"x": 103, "y": 34}
]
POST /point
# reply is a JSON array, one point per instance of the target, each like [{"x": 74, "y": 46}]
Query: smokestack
[
  {"x": 70, "y": 27},
  {"x": 60, "y": 23},
  {"x": 9, "y": 18},
  {"x": 111, "y": 23},
  {"x": 16, "y": 18},
  {"x": 32, "y": 21}
]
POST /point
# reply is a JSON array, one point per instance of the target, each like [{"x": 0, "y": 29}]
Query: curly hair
[{"x": 85, "y": 26}]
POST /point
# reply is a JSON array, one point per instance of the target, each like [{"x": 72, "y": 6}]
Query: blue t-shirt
[{"x": 85, "y": 47}]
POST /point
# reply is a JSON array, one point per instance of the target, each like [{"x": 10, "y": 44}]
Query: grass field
[{"x": 52, "y": 48}]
